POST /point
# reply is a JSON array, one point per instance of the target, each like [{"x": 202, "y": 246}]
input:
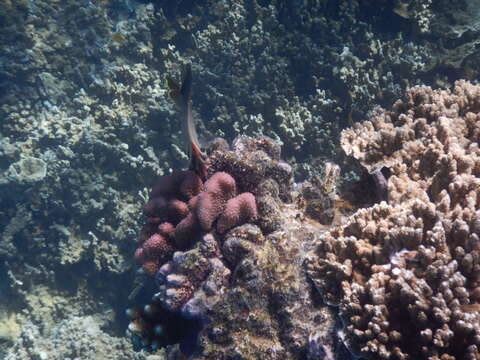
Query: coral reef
[
  {"x": 405, "y": 275},
  {"x": 318, "y": 196},
  {"x": 173, "y": 225},
  {"x": 179, "y": 241},
  {"x": 85, "y": 123}
]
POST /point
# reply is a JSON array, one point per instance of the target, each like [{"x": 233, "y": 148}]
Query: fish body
[{"x": 181, "y": 95}]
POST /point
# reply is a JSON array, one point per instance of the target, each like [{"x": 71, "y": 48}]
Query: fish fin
[{"x": 186, "y": 82}]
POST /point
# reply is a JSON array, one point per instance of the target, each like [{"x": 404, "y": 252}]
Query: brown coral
[{"x": 406, "y": 274}]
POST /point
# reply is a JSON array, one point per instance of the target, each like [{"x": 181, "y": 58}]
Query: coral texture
[
  {"x": 406, "y": 275},
  {"x": 237, "y": 211},
  {"x": 72, "y": 338}
]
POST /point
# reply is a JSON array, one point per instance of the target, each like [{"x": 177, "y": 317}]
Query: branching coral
[{"x": 406, "y": 275}]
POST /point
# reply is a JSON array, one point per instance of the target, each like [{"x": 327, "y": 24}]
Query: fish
[
  {"x": 181, "y": 95},
  {"x": 118, "y": 37}
]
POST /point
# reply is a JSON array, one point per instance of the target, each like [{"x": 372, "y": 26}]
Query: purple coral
[
  {"x": 157, "y": 246},
  {"x": 178, "y": 184},
  {"x": 186, "y": 231},
  {"x": 159, "y": 209},
  {"x": 155, "y": 250},
  {"x": 193, "y": 217},
  {"x": 166, "y": 229}
]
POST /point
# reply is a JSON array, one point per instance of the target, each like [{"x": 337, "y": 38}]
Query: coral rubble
[
  {"x": 72, "y": 338},
  {"x": 406, "y": 275}
]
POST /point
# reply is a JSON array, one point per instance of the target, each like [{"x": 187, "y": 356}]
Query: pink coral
[
  {"x": 221, "y": 183},
  {"x": 208, "y": 208},
  {"x": 148, "y": 229},
  {"x": 157, "y": 247},
  {"x": 176, "y": 210},
  {"x": 218, "y": 190},
  {"x": 154, "y": 207},
  {"x": 140, "y": 256},
  {"x": 191, "y": 185},
  {"x": 184, "y": 184},
  {"x": 166, "y": 229},
  {"x": 238, "y": 211},
  {"x": 186, "y": 231},
  {"x": 159, "y": 209}
]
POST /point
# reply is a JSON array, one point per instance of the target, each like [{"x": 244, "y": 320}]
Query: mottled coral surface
[
  {"x": 406, "y": 274},
  {"x": 239, "y": 272}
]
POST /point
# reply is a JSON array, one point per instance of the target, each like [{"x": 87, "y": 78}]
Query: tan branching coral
[{"x": 406, "y": 275}]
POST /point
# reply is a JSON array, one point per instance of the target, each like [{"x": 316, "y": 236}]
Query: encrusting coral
[{"x": 406, "y": 275}]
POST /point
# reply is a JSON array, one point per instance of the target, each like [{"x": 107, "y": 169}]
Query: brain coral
[{"x": 406, "y": 275}]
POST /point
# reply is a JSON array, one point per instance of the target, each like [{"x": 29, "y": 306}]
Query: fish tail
[{"x": 197, "y": 162}]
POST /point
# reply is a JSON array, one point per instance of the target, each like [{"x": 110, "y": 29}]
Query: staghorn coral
[{"x": 406, "y": 275}]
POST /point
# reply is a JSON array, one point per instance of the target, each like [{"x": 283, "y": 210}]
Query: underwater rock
[{"x": 28, "y": 169}]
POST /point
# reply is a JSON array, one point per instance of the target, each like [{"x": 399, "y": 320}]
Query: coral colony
[
  {"x": 406, "y": 275},
  {"x": 233, "y": 259},
  {"x": 181, "y": 241}
]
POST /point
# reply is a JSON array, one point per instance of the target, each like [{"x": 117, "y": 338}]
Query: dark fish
[{"x": 182, "y": 97}]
